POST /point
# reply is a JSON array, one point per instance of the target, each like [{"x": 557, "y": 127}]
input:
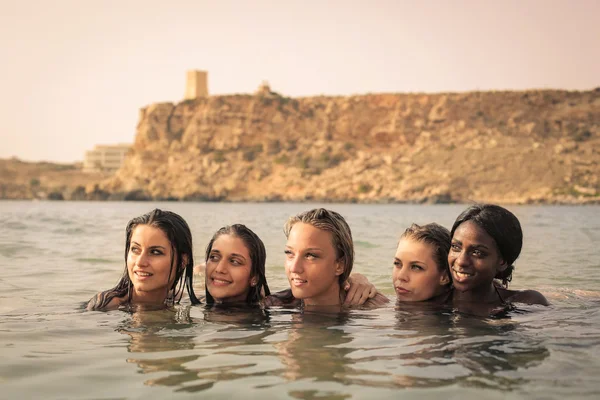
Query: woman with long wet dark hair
[
  {"x": 235, "y": 267},
  {"x": 158, "y": 264}
]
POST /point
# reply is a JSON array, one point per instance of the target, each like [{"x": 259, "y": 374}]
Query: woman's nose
[
  {"x": 403, "y": 274},
  {"x": 221, "y": 267},
  {"x": 142, "y": 259},
  {"x": 295, "y": 265},
  {"x": 461, "y": 258}
]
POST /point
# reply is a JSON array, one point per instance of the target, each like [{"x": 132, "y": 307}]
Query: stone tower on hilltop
[{"x": 196, "y": 84}]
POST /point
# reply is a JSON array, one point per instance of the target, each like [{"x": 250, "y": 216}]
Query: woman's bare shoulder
[
  {"x": 280, "y": 299},
  {"x": 524, "y": 296},
  {"x": 95, "y": 303}
]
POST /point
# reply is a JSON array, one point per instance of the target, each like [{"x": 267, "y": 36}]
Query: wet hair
[
  {"x": 341, "y": 235},
  {"x": 434, "y": 235},
  {"x": 258, "y": 257},
  {"x": 503, "y": 226},
  {"x": 179, "y": 235}
]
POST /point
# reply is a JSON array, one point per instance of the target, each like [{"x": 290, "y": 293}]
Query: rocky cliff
[{"x": 508, "y": 147}]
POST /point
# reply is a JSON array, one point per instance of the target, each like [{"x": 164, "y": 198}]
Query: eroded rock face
[
  {"x": 517, "y": 147},
  {"x": 507, "y": 147}
]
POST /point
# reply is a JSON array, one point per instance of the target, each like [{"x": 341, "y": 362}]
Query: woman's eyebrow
[
  {"x": 239, "y": 255},
  {"x": 151, "y": 247},
  {"x": 313, "y": 249}
]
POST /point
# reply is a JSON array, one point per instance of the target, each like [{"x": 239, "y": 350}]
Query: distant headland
[{"x": 521, "y": 147}]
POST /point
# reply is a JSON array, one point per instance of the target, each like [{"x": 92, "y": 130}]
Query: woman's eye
[
  {"x": 455, "y": 247},
  {"x": 477, "y": 253},
  {"x": 416, "y": 267},
  {"x": 234, "y": 261},
  {"x": 135, "y": 250},
  {"x": 310, "y": 256},
  {"x": 288, "y": 253},
  {"x": 213, "y": 257},
  {"x": 397, "y": 263},
  {"x": 157, "y": 252}
]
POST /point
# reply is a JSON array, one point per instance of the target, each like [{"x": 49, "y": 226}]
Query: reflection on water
[
  {"x": 488, "y": 347},
  {"x": 424, "y": 346},
  {"x": 163, "y": 332},
  {"x": 314, "y": 347}
]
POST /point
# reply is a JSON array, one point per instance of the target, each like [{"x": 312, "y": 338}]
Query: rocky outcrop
[
  {"x": 506, "y": 147},
  {"x": 515, "y": 147}
]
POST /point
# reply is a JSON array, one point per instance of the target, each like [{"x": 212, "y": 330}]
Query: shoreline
[{"x": 543, "y": 202}]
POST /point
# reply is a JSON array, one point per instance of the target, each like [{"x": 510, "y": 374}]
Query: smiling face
[
  {"x": 312, "y": 266},
  {"x": 416, "y": 274},
  {"x": 228, "y": 270},
  {"x": 474, "y": 259},
  {"x": 149, "y": 264}
]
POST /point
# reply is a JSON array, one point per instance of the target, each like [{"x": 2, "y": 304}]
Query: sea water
[{"x": 54, "y": 256}]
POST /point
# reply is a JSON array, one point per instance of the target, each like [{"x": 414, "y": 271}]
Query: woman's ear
[
  {"x": 184, "y": 261},
  {"x": 503, "y": 265},
  {"x": 339, "y": 267},
  {"x": 254, "y": 281},
  {"x": 444, "y": 279}
]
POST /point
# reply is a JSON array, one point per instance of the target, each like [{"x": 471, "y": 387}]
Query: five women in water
[{"x": 470, "y": 265}]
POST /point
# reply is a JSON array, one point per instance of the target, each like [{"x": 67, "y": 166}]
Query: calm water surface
[{"x": 55, "y": 255}]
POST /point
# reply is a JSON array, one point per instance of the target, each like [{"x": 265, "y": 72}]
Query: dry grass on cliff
[{"x": 25, "y": 180}]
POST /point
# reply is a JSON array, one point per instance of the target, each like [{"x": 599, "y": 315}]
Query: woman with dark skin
[
  {"x": 159, "y": 263},
  {"x": 486, "y": 241}
]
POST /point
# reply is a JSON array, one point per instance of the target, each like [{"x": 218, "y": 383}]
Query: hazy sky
[{"x": 73, "y": 73}]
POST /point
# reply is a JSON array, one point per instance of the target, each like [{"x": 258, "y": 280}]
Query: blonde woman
[{"x": 319, "y": 258}]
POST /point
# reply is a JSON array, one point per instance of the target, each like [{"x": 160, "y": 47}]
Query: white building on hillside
[{"x": 105, "y": 158}]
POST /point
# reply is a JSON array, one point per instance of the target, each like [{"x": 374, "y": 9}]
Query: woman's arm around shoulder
[
  {"x": 379, "y": 300},
  {"x": 359, "y": 291}
]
